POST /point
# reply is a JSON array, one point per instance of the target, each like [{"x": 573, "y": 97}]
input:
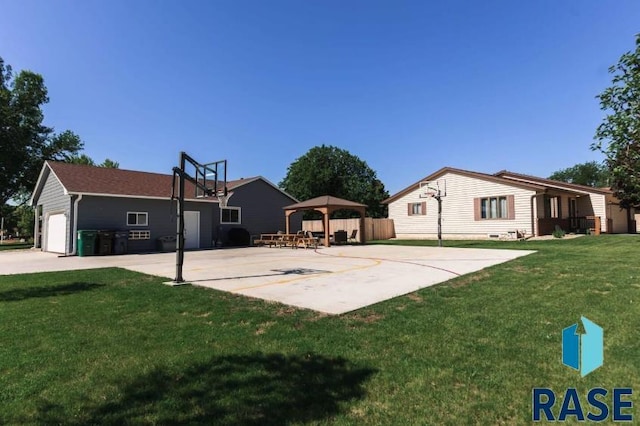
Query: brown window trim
[
  {"x": 511, "y": 208},
  {"x": 423, "y": 208}
]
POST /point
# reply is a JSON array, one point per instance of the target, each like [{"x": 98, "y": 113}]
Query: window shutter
[
  {"x": 511, "y": 207},
  {"x": 424, "y": 208},
  {"x": 476, "y": 209},
  {"x": 409, "y": 209}
]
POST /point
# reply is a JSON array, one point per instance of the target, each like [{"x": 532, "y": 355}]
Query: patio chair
[{"x": 352, "y": 237}]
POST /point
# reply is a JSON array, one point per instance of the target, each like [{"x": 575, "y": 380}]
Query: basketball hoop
[
  {"x": 223, "y": 198},
  {"x": 433, "y": 189}
]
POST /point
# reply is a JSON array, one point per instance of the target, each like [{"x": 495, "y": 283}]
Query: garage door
[{"x": 57, "y": 233}]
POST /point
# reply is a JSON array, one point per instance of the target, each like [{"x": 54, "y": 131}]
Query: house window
[
  {"x": 139, "y": 235},
  {"x": 494, "y": 208},
  {"x": 552, "y": 207},
  {"x": 230, "y": 215},
  {"x": 137, "y": 219},
  {"x": 417, "y": 209}
]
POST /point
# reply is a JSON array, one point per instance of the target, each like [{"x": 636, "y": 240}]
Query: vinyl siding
[
  {"x": 618, "y": 218},
  {"x": 599, "y": 203},
  {"x": 53, "y": 200},
  {"x": 458, "y": 209},
  {"x": 110, "y": 213},
  {"x": 261, "y": 209}
]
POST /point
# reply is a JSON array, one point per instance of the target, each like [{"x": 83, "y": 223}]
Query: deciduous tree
[
  {"x": 328, "y": 170},
  {"x": 591, "y": 173},
  {"x": 25, "y": 142},
  {"x": 618, "y": 136}
]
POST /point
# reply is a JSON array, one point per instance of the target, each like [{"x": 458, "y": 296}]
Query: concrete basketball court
[{"x": 333, "y": 280}]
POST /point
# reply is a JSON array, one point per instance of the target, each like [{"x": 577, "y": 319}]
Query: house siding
[
  {"x": 599, "y": 203},
  {"x": 53, "y": 200},
  {"x": 458, "y": 210},
  {"x": 618, "y": 217},
  {"x": 110, "y": 213},
  {"x": 262, "y": 211}
]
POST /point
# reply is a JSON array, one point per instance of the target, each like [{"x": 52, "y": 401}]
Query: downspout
[
  {"x": 75, "y": 225},
  {"x": 36, "y": 233}
]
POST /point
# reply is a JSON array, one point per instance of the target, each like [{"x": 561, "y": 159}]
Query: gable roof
[
  {"x": 324, "y": 201},
  {"x": 552, "y": 183},
  {"x": 468, "y": 173},
  {"x": 92, "y": 180}
]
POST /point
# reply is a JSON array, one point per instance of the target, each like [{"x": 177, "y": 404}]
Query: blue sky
[{"x": 408, "y": 86}]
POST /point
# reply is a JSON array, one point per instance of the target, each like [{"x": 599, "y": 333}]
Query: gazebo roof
[{"x": 324, "y": 201}]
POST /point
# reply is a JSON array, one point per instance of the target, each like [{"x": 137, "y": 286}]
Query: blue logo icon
[{"x": 583, "y": 352}]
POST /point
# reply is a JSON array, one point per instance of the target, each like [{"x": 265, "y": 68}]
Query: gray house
[{"x": 72, "y": 197}]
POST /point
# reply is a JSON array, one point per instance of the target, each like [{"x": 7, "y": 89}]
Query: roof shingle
[{"x": 84, "y": 179}]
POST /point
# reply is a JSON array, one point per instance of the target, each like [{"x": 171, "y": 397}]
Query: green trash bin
[
  {"x": 105, "y": 242},
  {"x": 87, "y": 243}
]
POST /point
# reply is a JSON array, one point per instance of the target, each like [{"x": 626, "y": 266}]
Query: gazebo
[{"x": 326, "y": 205}]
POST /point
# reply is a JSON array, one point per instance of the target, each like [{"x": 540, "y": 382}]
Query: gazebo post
[
  {"x": 287, "y": 215},
  {"x": 326, "y": 213},
  {"x": 362, "y": 225}
]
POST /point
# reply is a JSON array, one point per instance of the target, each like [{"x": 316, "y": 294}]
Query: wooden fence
[{"x": 374, "y": 229}]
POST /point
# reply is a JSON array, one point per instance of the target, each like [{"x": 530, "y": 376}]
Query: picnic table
[{"x": 286, "y": 240}]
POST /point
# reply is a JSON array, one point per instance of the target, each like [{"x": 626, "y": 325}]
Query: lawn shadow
[
  {"x": 256, "y": 389},
  {"x": 18, "y": 294}
]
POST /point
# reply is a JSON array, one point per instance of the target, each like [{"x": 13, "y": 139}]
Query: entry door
[
  {"x": 191, "y": 229},
  {"x": 573, "y": 213},
  {"x": 57, "y": 233}
]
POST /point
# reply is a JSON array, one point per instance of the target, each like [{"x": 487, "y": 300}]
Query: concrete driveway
[{"x": 333, "y": 280}]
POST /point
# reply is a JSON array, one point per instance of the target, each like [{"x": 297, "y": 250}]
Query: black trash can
[
  {"x": 340, "y": 237},
  {"x": 238, "y": 237},
  {"x": 105, "y": 242},
  {"x": 120, "y": 242},
  {"x": 167, "y": 243},
  {"x": 87, "y": 243}
]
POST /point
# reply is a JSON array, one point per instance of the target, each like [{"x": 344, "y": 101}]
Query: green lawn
[
  {"x": 113, "y": 347},
  {"x": 15, "y": 246}
]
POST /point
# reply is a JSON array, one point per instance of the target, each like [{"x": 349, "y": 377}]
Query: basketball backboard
[
  {"x": 213, "y": 177},
  {"x": 433, "y": 188}
]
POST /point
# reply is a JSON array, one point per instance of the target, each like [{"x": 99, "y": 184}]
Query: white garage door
[{"x": 57, "y": 233}]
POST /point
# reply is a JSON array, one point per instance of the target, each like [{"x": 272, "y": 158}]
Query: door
[
  {"x": 191, "y": 229},
  {"x": 57, "y": 233},
  {"x": 619, "y": 218},
  {"x": 573, "y": 213}
]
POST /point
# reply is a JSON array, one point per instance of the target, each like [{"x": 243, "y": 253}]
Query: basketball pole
[
  {"x": 437, "y": 194},
  {"x": 181, "y": 174},
  {"x": 438, "y": 197},
  {"x": 180, "y": 224}
]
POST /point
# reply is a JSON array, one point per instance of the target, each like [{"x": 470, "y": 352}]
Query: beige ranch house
[{"x": 505, "y": 204}]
